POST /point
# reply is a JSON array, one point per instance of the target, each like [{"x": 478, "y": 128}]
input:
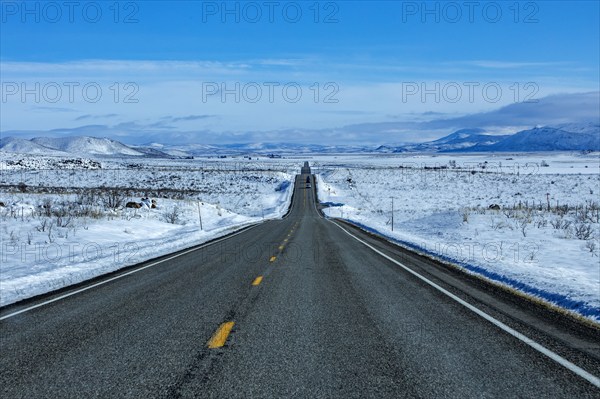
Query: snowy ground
[
  {"x": 64, "y": 220},
  {"x": 442, "y": 207}
]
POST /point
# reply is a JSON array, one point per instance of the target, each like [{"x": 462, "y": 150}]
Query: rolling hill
[{"x": 76, "y": 146}]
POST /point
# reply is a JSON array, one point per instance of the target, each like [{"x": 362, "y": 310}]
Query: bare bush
[
  {"x": 583, "y": 231},
  {"x": 562, "y": 210},
  {"x": 522, "y": 224},
  {"x": 590, "y": 212},
  {"x": 113, "y": 199},
  {"x": 173, "y": 216},
  {"x": 42, "y": 226},
  {"x": 64, "y": 215},
  {"x": 591, "y": 246},
  {"x": 87, "y": 198},
  {"x": 560, "y": 224},
  {"x": 63, "y": 221},
  {"x": 509, "y": 213}
]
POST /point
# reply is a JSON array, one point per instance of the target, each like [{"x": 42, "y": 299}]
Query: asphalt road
[{"x": 292, "y": 308}]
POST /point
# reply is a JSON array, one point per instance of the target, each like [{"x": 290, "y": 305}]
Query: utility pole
[
  {"x": 392, "y": 213},
  {"x": 199, "y": 215}
]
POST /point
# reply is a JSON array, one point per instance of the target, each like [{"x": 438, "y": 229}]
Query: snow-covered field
[
  {"x": 65, "y": 220},
  {"x": 531, "y": 222}
]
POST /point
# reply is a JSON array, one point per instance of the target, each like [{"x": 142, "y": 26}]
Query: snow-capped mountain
[
  {"x": 77, "y": 146},
  {"x": 22, "y": 146},
  {"x": 590, "y": 127},
  {"x": 459, "y": 136},
  {"x": 84, "y": 145},
  {"x": 466, "y": 138},
  {"x": 459, "y": 140},
  {"x": 565, "y": 137},
  {"x": 568, "y": 137},
  {"x": 163, "y": 149}
]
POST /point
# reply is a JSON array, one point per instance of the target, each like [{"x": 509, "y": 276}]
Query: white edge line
[
  {"x": 125, "y": 274},
  {"x": 538, "y": 347}
]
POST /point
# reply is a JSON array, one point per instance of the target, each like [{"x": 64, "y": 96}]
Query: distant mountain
[
  {"x": 569, "y": 137},
  {"x": 22, "y": 146},
  {"x": 104, "y": 147},
  {"x": 590, "y": 127},
  {"x": 164, "y": 149},
  {"x": 565, "y": 137},
  {"x": 459, "y": 136},
  {"x": 84, "y": 145},
  {"x": 388, "y": 149},
  {"x": 152, "y": 152},
  {"x": 264, "y": 149},
  {"x": 466, "y": 138},
  {"x": 457, "y": 141},
  {"x": 77, "y": 146}
]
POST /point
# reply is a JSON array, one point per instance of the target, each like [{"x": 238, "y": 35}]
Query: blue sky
[{"x": 307, "y": 71}]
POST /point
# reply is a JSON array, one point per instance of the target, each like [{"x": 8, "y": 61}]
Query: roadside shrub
[
  {"x": 583, "y": 231},
  {"x": 172, "y": 216}
]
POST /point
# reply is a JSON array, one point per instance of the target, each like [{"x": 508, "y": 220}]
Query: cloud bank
[{"x": 550, "y": 110}]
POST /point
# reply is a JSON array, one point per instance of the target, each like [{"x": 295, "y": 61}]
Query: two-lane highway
[{"x": 291, "y": 308}]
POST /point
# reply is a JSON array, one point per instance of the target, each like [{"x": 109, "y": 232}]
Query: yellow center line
[
  {"x": 281, "y": 247},
  {"x": 257, "y": 280},
  {"x": 272, "y": 258},
  {"x": 220, "y": 336}
]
